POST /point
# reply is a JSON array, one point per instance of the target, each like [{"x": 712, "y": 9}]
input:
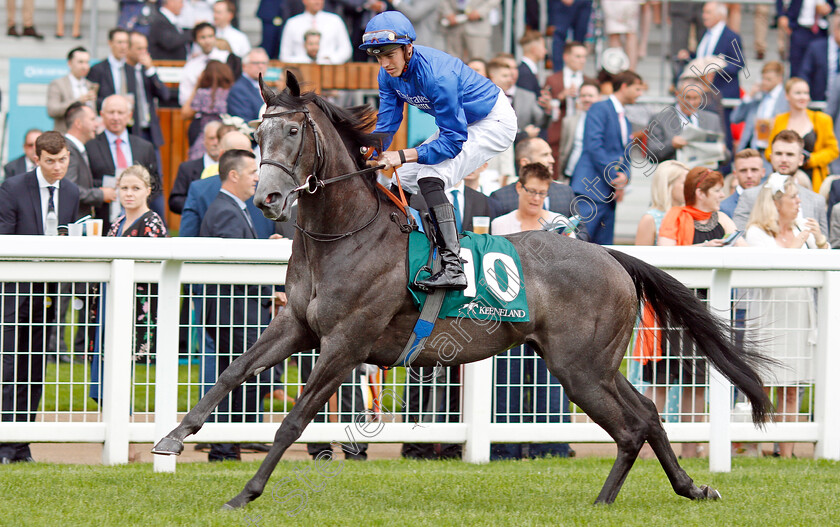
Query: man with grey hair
[
  {"x": 244, "y": 99},
  {"x": 665, "y": 131}
]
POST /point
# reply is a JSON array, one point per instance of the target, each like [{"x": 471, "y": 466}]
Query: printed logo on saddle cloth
[{"x": 495, "y": 290}]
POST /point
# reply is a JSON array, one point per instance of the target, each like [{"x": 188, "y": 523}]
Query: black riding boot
[{"x": 451, "y": 274}]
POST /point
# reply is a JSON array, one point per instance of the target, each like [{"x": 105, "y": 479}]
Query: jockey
[{"x": 474, "y": 118}]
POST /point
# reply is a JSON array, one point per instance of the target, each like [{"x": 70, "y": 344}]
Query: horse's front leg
[
  {"x": 334, "y": 364},
  {"x": 283, "y": 337}
]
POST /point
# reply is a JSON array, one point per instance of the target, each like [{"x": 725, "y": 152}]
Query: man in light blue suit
[{"x": 604, "y": 168}]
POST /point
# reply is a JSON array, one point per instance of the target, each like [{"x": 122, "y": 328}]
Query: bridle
[{"x": 312, "y": 182}]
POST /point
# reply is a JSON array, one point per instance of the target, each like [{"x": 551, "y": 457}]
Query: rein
[{"x": 313, "y": 183}]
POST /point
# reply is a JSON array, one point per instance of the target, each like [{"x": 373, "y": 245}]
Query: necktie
[
  {"x": 122, "y": 162},
  {"x": 458, "y": 222},
  {"x": 142, "y": 103},
  {"x": 623, "y": 125},
  {"x": 248, "y": 219},
  {"x": 123, "y": 83},
  {"x": 51, "y": 202}
]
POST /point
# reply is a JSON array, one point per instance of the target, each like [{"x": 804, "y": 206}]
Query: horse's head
[{"x": 288, "y": 147}]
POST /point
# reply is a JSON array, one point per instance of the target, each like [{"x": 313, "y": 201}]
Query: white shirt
[
  {"x": 116, "y": 72},
  {"x": 571, "y": 78},
  {"x": 335, "y": 41},
  {"x": 124, "y": 146},
  {"x": 768, "y": 103},
  {"x": 78, "y": 86},
  {"x": 192, "y": 71},
  {"x": 45, "y": 196},
  {"x": 710, "y": 40},
  {"x": 622, "y": 119},
  {"x": 808, "y": 14},
  {"x": 80, "y": 146},
  {"x": 30, "y": 166},
  {"x": 238, "y": 41},
  {"x": 170, "y": 16},
  {"x": 577, "y": 146},
  {"x": 687, "y": 119},
  {"x": 208, "y": 160},
  {"x": 510, "y": 224}
]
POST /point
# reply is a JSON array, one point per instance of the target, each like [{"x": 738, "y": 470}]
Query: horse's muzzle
[{"x": 274, "y": 205}]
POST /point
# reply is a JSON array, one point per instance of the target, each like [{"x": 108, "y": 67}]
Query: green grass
[{"x": 761, "y": 492}]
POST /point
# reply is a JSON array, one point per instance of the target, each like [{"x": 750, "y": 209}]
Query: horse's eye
[{"x": 293, "y": 131}]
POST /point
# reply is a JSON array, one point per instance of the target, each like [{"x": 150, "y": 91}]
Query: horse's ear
[
  {"x": 266, "y": 91},
  {"x": 292, "y": 84}
]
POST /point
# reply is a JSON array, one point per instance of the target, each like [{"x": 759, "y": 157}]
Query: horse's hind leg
[
  {"x": 283, "y": 337},
  {"x": 607, "y": 406},
  {"x": 683, "y": 485}
]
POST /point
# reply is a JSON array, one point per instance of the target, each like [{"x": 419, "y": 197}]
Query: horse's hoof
[
  {"x": 228, "y": 507},
  {"x": 709, "y": 493},
  {"x": 168, "y": 447}
]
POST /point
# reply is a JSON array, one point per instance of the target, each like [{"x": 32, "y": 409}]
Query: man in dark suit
[
  {"x": 603, "y": 169},
  {"x": 718, "y": 41},
  {"x": 166, "y": 40},
  {"x": 805, "y": 24},
  {"x": 533, "y": 54},
  {"x": 202, "y": 192},
  {"x": 110, "y": 74},
  {"x": 147, "y": 89},
  {"x": 26, "y": 201},
  {"x": 244, "y": 99},
  {"x": 816, "y": 70},
  {"x": 81, "y": 128},
  {"x": 272, "y": 13},
  {"x": 26, "y": 162},
  {"x": 230, "y": 308},
  {"x": 191, "y": 170},
  {"x": 114, "y": 149}
]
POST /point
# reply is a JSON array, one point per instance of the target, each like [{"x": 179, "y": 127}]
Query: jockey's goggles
[{"x": 383, "y": 37}]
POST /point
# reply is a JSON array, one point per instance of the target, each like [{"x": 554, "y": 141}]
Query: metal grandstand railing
[{"x": 133, "y": 315}]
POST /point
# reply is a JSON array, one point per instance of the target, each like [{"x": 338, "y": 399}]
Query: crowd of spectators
[{"x": 571, "y": 155}]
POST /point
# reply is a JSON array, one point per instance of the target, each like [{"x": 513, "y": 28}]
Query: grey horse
[{"x": 346, "y": 286}]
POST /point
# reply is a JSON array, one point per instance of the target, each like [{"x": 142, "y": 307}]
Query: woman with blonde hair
[
  {"x": 814, "y": 127},
  {"x": 666, "y": 190},
  {"x": 784, "y": 319}
]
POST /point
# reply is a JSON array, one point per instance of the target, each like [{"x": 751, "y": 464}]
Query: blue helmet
[{"x": 386, "y": 31}]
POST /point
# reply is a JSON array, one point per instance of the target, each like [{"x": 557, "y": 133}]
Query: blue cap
[{"x": 387, "y": 30}]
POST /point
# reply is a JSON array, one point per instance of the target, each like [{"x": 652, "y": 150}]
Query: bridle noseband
[{"x": 312, "y": 182}]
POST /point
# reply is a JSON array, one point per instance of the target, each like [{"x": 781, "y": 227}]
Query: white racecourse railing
[{"x": 120, "y": 262}]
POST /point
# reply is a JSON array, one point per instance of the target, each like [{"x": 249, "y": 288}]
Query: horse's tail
[{"x": 676, "y": 306}]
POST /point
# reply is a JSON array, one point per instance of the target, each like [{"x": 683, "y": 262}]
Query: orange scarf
[
  {"x": 678, "y": 224},
  {"x": 649, "y": 338}
]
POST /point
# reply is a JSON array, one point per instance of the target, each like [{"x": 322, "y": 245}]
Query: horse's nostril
[{"x": 274, "y": 196}]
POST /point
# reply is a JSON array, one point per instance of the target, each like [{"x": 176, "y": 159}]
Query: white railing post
[
  {"x": 827, "y": 369},
  {"x": 166, "y": 370},
  {"x": 720, "y": 442},
  {"x": 478, "y": 400},
  {"x": 116, "y": 367}
]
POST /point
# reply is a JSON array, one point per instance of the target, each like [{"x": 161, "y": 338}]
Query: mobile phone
[{"x": 731, "y": 238}]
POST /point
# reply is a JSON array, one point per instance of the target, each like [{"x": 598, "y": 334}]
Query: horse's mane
[{"x": 352, "y": 124}]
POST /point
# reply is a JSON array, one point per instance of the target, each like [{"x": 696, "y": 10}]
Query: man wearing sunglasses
[{"x": 474, "y": 118}]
